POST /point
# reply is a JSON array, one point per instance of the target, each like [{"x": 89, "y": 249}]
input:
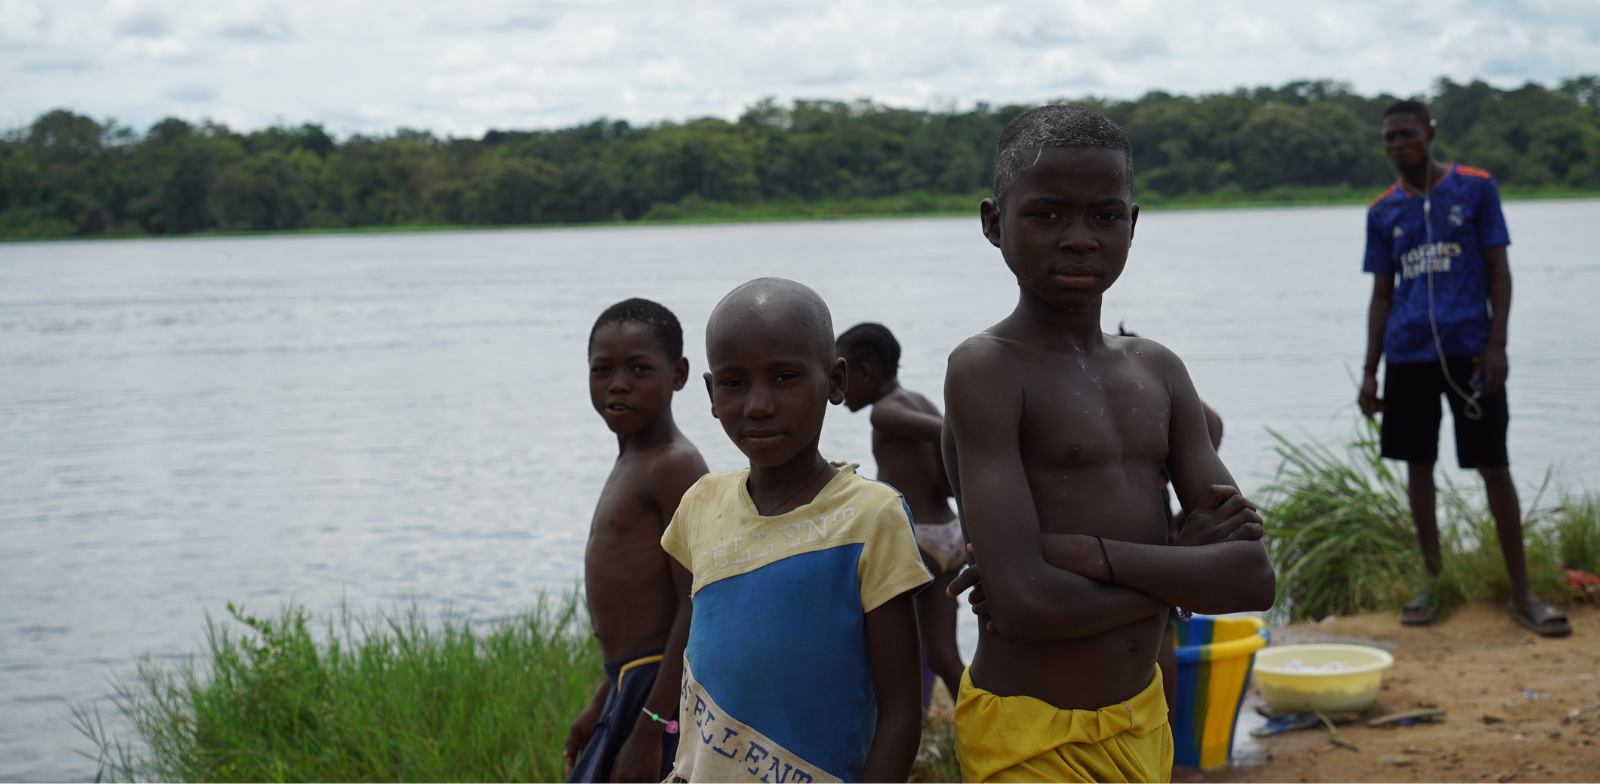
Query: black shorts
[
  {"x": 1411, "y": 414},
  {"x": 622, "y": 709}
]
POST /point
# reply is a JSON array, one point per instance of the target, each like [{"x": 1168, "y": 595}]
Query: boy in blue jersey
[
  {"x": 802, "y": 660},
  {"x": 1441, "y": 298}
]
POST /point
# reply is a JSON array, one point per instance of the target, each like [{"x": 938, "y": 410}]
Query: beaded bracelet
[{"x": 672, "y": 726}]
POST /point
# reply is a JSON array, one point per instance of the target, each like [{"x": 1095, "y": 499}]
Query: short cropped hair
[
  {"x": 651, "y": 314},
  {"x": 1055, "y": 125},
  {"x": 874, "y": 340},
  {"x": 1416, "y": 109}
]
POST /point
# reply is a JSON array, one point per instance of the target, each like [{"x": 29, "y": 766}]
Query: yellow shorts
[{"x": 1024, "y": 739}]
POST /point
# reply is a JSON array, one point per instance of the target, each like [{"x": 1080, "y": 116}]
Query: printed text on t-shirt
[
  {"x": 755, "y": 545},
  {"x": 1433, "y": 257}
]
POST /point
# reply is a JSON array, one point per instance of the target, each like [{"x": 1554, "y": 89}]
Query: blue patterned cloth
[{"x": 1465, "y": 221}]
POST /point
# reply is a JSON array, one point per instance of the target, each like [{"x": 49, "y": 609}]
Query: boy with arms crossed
[
  {"x": 1056, "y": 434},
  {"x": 1443, "y": 329},
  {"x": 638, "y": 597},
  {"x": 802, "y": 660},
  {"x": 906, "y": 428}
]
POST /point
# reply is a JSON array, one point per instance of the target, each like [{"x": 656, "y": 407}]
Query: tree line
[{"x": 69, "y": 174}]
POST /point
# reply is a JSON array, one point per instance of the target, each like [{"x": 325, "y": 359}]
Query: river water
[{"x": 397, "y": 417}]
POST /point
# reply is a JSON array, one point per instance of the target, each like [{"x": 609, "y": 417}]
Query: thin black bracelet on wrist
[{"x": 1111, "y": 571}]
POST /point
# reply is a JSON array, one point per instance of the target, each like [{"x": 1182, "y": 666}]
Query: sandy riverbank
[{"x": 1475, "y": 663}]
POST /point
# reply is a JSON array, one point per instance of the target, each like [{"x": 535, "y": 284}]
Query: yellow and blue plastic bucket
[{"x": 1215, "y": 656}]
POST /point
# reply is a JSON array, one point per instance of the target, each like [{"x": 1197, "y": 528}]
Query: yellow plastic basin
[{"x": 1300, "y": 691}]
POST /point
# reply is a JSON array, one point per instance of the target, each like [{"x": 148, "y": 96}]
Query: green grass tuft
[
  {"x": 1577, "y": 526},
  {"x": 1340, "y": 533},
  {"x": 385, "y": 697}
]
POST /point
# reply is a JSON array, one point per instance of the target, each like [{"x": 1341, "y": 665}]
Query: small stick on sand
[
  {"x": 1419, "y": 715},
  {"x": 1333, "y": 734}
]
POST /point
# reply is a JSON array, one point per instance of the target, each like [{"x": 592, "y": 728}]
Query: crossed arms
[{"x": 1054, "y": 586}]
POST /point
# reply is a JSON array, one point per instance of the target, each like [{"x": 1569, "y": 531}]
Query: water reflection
[{"x": 382, "y": 418}]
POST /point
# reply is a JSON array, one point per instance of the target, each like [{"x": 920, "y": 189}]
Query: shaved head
[{"x": 774, "y": 304}]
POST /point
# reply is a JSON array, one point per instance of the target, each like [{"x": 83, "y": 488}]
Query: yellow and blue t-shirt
[
  {"x": 1463, "y": 222},
  {"x": 777, "y": 683}
]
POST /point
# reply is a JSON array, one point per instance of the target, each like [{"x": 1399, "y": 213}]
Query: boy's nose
[
  {"x": 760, "y": 403},
  {"x": 1079, "y": 239}
]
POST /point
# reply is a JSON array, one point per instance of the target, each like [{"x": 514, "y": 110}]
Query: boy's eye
[
  {"x": 786, "y": 376},
  {"x": 731, "y": 382},
  {"x": 1047, "y": 215},
  {"x": 1109, "y": 216},
  {"x": 641, "y": 368}
]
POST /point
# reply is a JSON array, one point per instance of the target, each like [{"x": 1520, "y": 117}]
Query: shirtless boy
[
  {"x": 638, "y": 596},
  {"x": 802, "y": 656},
  {"x": 1056, "y": 434},
  {"x": 906, "y": 428}
]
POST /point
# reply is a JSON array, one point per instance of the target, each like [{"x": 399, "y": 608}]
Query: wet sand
[{"x": 1474, "y": 663}]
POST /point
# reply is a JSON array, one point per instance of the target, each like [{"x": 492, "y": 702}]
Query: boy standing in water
[
  {"x": 906, "y": 428},
  {"x": 1442, "y": 330},
  {"x": 638, "y": 596},
  {"x": 802, "y": 659},
  {"x": 1056, "y": 434}
]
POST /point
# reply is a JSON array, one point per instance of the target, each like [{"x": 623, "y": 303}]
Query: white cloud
[{"x": 371, "y": 66}]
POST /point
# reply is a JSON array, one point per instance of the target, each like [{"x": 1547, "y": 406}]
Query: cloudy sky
[{"x": 463, "y": 67}]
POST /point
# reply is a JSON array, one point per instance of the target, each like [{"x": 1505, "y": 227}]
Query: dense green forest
[{"x": 68, "y": 174}]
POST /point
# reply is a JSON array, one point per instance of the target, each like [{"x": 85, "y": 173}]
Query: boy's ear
[
  {"x": 680, "y": 373},
  {"x": 1133, "y": 220},
  {"x": 989, "y": 215},
  {"x": 712, "y": 397},
  {"x": 838, "y": 377}
]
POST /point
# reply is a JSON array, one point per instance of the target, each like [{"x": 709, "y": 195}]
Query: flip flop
[
  {"x": 1288, "y": 722},
  {"x": 1420, "y": 610},
  {"x": 1542, "y": 619}
]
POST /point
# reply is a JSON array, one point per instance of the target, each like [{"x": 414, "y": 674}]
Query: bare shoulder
[
  {"x": 982, "y": 354},
  {"x": 1149, "y": 355},
  {"x": 982, "y": 382},
  {"x": 903, "y": 400},
  {"x": 674, "y": 467},
  {"x": 919, "y": 402}
]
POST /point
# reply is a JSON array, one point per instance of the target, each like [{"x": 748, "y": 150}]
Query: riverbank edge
[{"x": 862, "y": 209}]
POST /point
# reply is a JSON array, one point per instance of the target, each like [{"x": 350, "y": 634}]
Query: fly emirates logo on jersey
[{"x": 1432, "y": 257}]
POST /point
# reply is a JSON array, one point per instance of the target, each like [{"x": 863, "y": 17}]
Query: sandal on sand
[
  {"x": 1542, "y": 619},
  {"x": 1420, "y": 610}
]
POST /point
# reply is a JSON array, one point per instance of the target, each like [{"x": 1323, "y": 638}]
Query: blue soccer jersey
[
  {"x": 777, "y": 681},
  {"x": 1465, "y": 221}
]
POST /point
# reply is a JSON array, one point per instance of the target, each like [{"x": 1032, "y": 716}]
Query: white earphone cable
[{"x": 1428, "y": 260}]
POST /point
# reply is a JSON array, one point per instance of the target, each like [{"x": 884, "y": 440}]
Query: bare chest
[
  {"x": 1084, "y": 413},
  {"x": 624, "y": 508}
]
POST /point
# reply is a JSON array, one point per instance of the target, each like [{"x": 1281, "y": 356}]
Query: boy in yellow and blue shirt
[{"x": 802, "y": 662}]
